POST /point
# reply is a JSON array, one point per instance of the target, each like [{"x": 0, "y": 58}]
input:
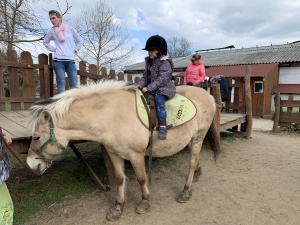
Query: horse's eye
[{"x": 36, "y": 138}]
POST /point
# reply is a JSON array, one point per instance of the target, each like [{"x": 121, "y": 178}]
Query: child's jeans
[{"x": 160, "y": 107}]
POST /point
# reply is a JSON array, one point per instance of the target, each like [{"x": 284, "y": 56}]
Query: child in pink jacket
[{"x": 195, "y": 72}]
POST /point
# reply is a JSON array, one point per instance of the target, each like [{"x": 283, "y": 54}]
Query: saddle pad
[{"x": 179, "y": 110}]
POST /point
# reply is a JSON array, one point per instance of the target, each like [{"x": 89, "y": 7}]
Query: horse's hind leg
[
  {"x": 138, "y": 164},
  {"x": 116, "y": 211},
  {"x": 197, "y": 173},
  {"x": 194, "y": 168}
]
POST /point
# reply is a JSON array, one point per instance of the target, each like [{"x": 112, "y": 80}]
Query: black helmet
[{"x": 156, "y": 42}]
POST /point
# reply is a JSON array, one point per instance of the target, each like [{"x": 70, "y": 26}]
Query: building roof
[
  {"x": 286, "y": 53},
  {"x": 287, "y": 89}
]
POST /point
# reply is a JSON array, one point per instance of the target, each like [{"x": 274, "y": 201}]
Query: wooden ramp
[
  {"x": 13, "y": 124},
  {"x": 230, "y": 120}
]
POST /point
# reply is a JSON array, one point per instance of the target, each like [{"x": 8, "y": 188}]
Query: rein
[{"x": 148, "y": 99}]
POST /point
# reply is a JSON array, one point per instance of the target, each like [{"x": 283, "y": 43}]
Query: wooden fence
[
  {"x": 18, "y": 85},
  {"x": 289, "y": 117},
  {"x": 23, "y": 82}
]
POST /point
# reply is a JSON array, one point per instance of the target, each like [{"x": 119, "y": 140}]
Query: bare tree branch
[
  {"x": 179, "y": 47},
  {"x": 106, "y": 42}
]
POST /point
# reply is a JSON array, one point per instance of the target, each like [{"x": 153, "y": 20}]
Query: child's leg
[
  {"x": 161, "y": 115},
  {"x": 6, "y": 206}
]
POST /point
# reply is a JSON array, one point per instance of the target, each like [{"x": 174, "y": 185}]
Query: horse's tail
[{"x": 214, "y": 136}]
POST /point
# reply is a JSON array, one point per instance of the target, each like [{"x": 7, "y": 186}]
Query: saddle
[{"x": 179, "y": 110}]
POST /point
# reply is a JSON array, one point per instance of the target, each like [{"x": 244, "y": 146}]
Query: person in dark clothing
[
  {"x": 157, "y": 79},
  {"x": 224, "y": 86}
]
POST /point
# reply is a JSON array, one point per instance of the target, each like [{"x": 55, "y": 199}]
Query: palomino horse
[{"x": 106, "y": 112}]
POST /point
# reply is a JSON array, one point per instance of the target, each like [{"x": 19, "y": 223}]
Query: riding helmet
[{"x": 156, "y": 42}]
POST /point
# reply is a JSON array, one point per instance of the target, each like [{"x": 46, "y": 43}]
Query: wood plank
[
  {"x": 19, "y": 65},
  {"x": 233, "y": 123},
  {"x": 13, "y": 124},
  {"x": 15, "y": 117},
  {"x": 12, "y": 129},
  {"x": 24, "y": 113},
  {"x": 28, "y": 79}
]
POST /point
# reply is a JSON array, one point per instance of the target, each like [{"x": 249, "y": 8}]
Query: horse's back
[{"x": 199, "y": 96}]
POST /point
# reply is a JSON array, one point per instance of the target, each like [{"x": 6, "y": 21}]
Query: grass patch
[{"x": 66, "y": 180}]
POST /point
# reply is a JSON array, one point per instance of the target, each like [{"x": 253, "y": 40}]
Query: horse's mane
[{"x": 58, "y": 105}]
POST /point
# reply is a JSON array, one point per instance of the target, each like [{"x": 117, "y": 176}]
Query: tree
[
  {"x": 18, "y": 24},
  {"x": 179, "y": 47},
  {"x": 106, "y": 42}
]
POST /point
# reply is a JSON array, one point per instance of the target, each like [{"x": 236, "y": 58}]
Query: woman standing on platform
[
  {"x": 67, "y": 43},
  {"x": 195, "y": 72}
]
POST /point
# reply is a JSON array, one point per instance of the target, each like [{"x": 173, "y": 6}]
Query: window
[{"x": 258, "y": 87}]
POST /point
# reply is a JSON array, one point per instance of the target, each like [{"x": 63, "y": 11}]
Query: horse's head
[{"x": 44, "y": 145}]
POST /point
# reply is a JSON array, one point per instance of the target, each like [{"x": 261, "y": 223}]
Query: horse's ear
[{"x": 46, "y": 116}]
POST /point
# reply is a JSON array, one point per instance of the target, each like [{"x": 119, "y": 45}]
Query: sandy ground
[{"x": 254, "y": 181}]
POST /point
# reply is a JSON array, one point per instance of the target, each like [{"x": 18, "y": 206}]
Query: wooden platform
[
  {"x": 229, "y": 120},
  {"x": 14, "y": 125}
]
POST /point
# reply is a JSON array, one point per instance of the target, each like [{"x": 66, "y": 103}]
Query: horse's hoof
[
  {"x": 114, "y": 213},
  {"x": 143, "y": 206},
  {"x": 184, "y": 196}
]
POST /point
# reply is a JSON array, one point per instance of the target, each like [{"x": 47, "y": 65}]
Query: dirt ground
[{"x": 255, "y": 181}]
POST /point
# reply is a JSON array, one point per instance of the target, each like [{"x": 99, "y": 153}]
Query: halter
[{"x": 51, "y": 139}]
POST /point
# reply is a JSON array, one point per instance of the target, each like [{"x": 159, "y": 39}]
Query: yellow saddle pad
[{"x": 179, "y": 110}]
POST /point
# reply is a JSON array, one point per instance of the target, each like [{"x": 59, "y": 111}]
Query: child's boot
[{"x": 162, "y": 130}]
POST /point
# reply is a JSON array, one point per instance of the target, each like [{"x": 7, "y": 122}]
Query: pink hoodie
[{"x": 194, "y": 73}]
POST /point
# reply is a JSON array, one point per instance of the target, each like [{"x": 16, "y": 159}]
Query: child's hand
[
  {"x": 144, "y": 89},
  {"x": 7, "y": 140}
]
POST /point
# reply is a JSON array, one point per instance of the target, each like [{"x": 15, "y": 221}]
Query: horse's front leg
[
  {"x": 194, "y": 169},
  {"x": 138, "y": 164},
  {"x": 116, "y": 211}
]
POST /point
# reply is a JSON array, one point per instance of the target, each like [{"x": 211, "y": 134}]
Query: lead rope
[{"x": 18, "y": 158}]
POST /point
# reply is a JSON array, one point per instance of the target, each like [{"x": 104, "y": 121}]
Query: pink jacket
[{"x": 194, "y": 73}]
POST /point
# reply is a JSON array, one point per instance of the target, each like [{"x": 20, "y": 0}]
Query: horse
[{"x": 105, "y": 111}]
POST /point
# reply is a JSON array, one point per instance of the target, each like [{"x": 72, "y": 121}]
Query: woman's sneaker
[{"x": 162, "y": 133}]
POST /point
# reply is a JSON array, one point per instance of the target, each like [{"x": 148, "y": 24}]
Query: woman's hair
[
  {"x": 196, "y": 56},
  {"x": 55, "y": 12}
]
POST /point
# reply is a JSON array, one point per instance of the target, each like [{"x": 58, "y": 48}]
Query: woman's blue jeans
[
  {"x": 62, "y": 67},
  {"x": 160, "y": 107}
]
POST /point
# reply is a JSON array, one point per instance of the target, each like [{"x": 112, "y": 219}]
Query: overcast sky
[{"x": 207, "y": 24}]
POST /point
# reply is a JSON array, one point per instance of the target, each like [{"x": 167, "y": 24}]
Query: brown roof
[
  {"x": 257, "y": 70},
  {"x": 287, "y": 89}
]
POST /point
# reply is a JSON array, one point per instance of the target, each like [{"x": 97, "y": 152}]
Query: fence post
[
  {"x": 82, "y": 67},
  {"x": 2, "y": 89},
  {"x": 248, "y": 102},
  {"x": 112, "y": 75},
  {"x": 120, "y": 76},
  {"x": 14, "y": 84},
  {"x": 43, "y": 60},
  {"x": 277, "y": 112},
  {"x": 217, "y": 95},
  {"x": 28, "y": 79}
]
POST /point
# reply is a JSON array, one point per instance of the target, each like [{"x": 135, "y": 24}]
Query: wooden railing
[
  {"x": 18, "y": 86},
  {"x": 23, "y": 82},
  {"x": 289, "y": 117}
]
